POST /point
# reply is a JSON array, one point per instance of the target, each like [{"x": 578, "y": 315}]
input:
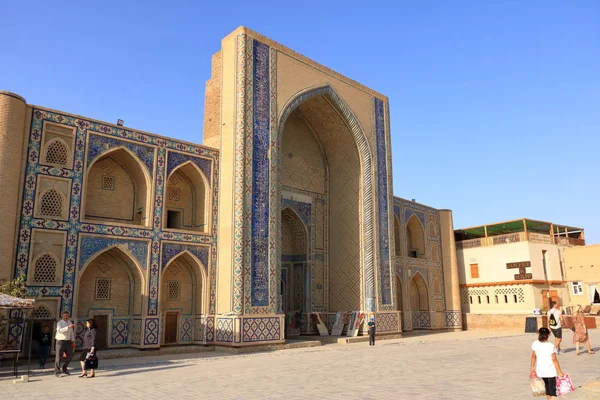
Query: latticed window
[
  {"x": 44, "y": 270},
  {"x": 102, "y": 291},
  {"x": 108, "y": 182},
  {"x": 174, "y": 193},
  {"x": 173, "y": 290},
  {"x": 41, "y": 312},
  {"x": 57, "y": 153},
  {"x": 51, "y": 204}
]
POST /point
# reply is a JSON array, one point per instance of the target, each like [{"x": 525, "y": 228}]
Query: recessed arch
[
  {"x": 116, "y": 259},
  {"x": 117, "y": 188},
  {"x": 365, "y": 260},
  {"x": 397, "y": 237},
  {"x": 187, "y": 199},
  {"x": 415, "y": 237},
  {"x": 52, "y": 204},
  {"x": 299, "y": 234},
  {"x": 419, "y": 295}
]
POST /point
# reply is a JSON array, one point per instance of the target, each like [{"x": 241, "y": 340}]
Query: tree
[{"x": 14, "y": 288}]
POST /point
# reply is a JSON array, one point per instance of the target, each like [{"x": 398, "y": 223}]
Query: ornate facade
[{"x": 286, "y": 208}]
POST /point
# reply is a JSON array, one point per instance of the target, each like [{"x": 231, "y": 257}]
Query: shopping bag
[
  {"x": 564, "y": 385},
  {"x": 538, "y": 387}
]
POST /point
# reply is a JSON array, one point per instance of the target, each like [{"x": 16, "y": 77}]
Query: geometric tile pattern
[
  {"x": 452, "y": 318},
  {"x": 224, "y": 330},
  {"x": 199, "y": 329},
  {"x": 186, "y": 329},
  {"x": 260, "y": 329},
  {"x": 136, "y": 331},
  {"x": 151, "y": 331},
  {"x": 421, "y": 319},
  {"x": 387, "y": 322},
  {"x": 210, "y": 329},
  {"x": 120, "y": 331}
]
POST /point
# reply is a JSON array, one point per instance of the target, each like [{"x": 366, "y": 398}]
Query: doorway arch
[
  {"x": 343, "y": 141},
  {"x": 419, "y": 297}
]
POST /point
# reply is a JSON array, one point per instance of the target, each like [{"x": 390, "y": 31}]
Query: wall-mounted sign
[{"x": 522, "y": 275}]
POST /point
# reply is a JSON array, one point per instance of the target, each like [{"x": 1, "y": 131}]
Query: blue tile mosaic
[
  {"x": 99, "y": 145},
  {"x": 91, "y": 245},
  {"x": 260, "y": 174},
  {"x": 171, "y": 250},
  {"x": 383, "y": 211},
  {"x": 175, "y": 159}
]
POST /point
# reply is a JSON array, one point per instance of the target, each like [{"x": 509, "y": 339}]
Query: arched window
[
  {"x": 41, "y": 312},
  {"x": 44, "y": 269},
  {"x": 186, "y": 205},
  {"x": 57, "y": 153},
  {"x": 415, "y": 236},
  {"x": 51, "y": 204}
]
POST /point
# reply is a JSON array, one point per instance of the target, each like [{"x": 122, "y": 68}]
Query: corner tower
[{"x": 13, "y": 116}]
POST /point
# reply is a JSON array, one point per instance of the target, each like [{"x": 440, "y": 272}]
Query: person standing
[
  {"x": 89, "y": 347},
  {"x": 371, "y": 325},
  {"x": 44, "y": 349},
  {"x": 580, "y": 333},
  {"x": 65, "y": 336},
  {"x": 544, "y": 362},
  {"x": 555, "y": 320}
]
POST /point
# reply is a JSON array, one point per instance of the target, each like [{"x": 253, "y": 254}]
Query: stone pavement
[{"x": 456, "y": 365}]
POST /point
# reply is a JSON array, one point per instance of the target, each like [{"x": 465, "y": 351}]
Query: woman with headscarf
[
  {"x": 580, "y": 333},
  {"x": 544, "y": 363}
]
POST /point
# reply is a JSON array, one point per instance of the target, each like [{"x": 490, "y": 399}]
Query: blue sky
[{"x": 495, "y": 105}]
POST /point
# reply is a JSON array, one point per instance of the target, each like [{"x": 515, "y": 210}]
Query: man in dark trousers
[
  {"x": 45, "y": 343},
  {"x": 65, "y": 337},
  {"x": 371, "y": 325}
]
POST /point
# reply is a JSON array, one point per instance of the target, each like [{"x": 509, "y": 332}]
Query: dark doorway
[
  {"x": 101, "y": 334},
  {"x": 174, "y": 219},
  {"x": 171, "y": 328}
]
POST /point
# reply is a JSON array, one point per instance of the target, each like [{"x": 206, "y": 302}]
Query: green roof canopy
[{"x": 502, "y": 228}]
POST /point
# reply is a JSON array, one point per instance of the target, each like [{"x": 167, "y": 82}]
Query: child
[
  {"x": 44, "y": 349},
  {"x": 371, "y": 325}
]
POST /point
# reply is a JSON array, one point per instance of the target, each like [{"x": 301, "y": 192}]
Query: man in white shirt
[
  {"x": 555, "y": 322},
  {"x": 65, "y": 336}
]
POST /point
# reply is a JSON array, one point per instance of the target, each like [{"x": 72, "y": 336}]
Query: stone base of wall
[{"x": 496, "y": 322}]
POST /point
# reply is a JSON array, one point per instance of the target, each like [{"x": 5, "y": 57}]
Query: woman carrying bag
[
  {"x": 580, "y": 333},
  {"x": 88, "y": 357}
]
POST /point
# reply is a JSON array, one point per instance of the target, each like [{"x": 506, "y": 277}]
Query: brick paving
[{"x": 457, "y": 365}]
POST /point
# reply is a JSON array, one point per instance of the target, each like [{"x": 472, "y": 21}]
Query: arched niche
[
  {"x": 415, "y": 238},
  {"x": 187, "y": 203},
  {"x": 419, "y": 296},
  {"x": 397, "y": 237},
  {"x": 117, "y": 189}
]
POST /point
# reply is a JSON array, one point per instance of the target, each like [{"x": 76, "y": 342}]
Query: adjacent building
[
  {"x": 582, "y": 267},
  {"x": 515, "y": 266}
]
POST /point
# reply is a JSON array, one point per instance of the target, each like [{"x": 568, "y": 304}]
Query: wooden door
[
  {"x": 102, "y": 333},
  {"x": 171, "y": 328}
]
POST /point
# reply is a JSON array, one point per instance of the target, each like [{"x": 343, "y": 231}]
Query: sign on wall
[{"x": 521, "y": 265}]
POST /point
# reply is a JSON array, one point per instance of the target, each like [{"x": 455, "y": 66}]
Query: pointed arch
[
  {"x": 298, "y": 229},
  {"x": 365, "y": 191},
  {"x": 117, "y": 176},
  {"x": 45, "y": 270},
  {"x": 397, "y": 238},
  {"x": 415, "y": 237},
  {"x": 117, "y": 264},
  {"x": 419, "y": 295},
  {"x": 187, "y": 202}
]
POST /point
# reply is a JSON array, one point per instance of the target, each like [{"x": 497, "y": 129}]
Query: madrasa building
[{"x": 285, "y": 209}]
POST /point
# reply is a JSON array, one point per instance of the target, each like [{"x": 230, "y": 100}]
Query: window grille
[
  {"x": 173, "y": 290},
  {"x": 108, "y": 182},
  {"x": 56, "y": 153},
  {"x": 175, "y": 194},
  {"x": 51, "y": 204},
  {"x": 102, "y": 289},
  {"x": 44, "y": 270}
]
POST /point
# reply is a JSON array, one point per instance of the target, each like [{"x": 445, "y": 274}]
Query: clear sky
[{"x": 495, "y": 105}]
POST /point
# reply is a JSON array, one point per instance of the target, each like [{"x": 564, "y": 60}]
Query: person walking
[
  {"x": 44, "y": 348},
  {"x": 544, "y": 362},
  {"x": 555, "y": 320},
  {"x": 580, "y": 332},
  {"x": 89, "y": 347},
  {"x": 65, "y": 337},
  {"x": 371, "y": 325}
]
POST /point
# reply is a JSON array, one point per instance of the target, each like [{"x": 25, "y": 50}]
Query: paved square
[{"x": 459, "y": 365}]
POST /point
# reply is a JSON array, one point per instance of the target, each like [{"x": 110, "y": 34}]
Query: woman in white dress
[{"x": 544, "y": 362}]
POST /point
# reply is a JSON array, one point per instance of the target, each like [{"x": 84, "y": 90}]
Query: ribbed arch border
[{"x": 366, "y": 169}]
